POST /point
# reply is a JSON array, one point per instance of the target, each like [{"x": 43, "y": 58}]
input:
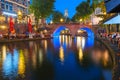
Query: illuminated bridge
[{"x": 72, "y": 27}]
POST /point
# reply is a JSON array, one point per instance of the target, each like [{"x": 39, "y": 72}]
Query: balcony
[{"x": 13, "y": 2}]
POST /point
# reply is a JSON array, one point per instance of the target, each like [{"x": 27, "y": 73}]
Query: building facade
[{"x": 12, "y": 7}]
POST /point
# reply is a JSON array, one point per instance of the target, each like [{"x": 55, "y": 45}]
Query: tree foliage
[
  {"x": 56, "y": 16},
  {"x": 100, "y": 4},
  {"x": 83, "y": 10},
  {"x": 42, "y": 8}
]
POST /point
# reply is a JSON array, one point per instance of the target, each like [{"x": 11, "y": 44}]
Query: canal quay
[{"x": 46, "y": 40}]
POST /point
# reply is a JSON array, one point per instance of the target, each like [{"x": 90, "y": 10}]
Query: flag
[
  {"x": 29, "y": 25},
  {"x": 11, "y": 25}
]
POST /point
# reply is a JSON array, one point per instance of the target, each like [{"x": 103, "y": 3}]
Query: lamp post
[
  {"x": 80, "y": 20},
  {"x": 19, "y": 16},
  {"x": 61, "y": 20}
]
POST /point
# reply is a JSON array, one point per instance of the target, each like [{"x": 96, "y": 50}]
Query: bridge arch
[
  {"x": 58, "y": 30},
  {"x": 88, "y": 30}
]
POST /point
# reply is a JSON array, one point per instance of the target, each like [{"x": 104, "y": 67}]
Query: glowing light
[
  {"x": 10, "y": 64},
  {"x": 105, "y": 58},
  {"x": 34, "y": 60},
  {"x": 51, "y": 22},
  {"x": 21, "y": 66},
  {"x": 3, "y": 27},
  {"x": 70, "y": 41},
  {"x": 45, "y": 45},
  {"x": 2, "y": 18},
  {"x": 40, "y": 56},
  {"x": 80, "y": 20},
  {"x": 80, "y": 54},
  {"x": 19, "y": 13},
  {"x": 79, "y": 42},
  {"x": 79, "y": 31},
  {"x": 83, "y": 42},
  {"x": 62, "y": 39},
  {"x": 61, "y": 20},
  {"x": 61, "y": 54},
  {"x": 9, "y": 14},
  {"x": 66, "y": 40},
  {"x": 3, "y": 52}
]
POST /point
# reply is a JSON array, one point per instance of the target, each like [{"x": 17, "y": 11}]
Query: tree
[
  {"x": 100, "y": 4},
  {"x": 84, "y": 10},
  {"x": 56, "y": 16},
  {"x": 41, "y": 9}
]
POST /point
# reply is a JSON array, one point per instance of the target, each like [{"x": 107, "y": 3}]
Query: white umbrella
[{"x": 114, "y": 20}]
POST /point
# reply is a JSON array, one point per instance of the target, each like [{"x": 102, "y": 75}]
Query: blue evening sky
[{"x": 61, "y": 5}]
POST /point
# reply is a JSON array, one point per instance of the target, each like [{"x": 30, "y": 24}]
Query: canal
[{"x": 60, "y": 58}]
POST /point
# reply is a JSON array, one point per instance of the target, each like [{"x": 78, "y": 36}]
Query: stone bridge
[{"x": 72, "y": 27}]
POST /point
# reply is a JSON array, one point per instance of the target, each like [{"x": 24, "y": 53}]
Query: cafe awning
[{"x": 113, "y": 20}]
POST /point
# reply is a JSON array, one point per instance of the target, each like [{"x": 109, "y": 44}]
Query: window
[
  {"x": 2, "y": 0},
  {"x": 11, "y": 8},
  {"x": 3, "y": 6},
  {"x": 7, "y": 7}
]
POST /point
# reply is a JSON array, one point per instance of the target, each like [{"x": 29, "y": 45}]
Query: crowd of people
[
  {"x": 114, "y": 37},
  {"x": 24, "y": 36}
]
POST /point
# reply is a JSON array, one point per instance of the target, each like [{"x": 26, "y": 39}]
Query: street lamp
[
  {"x": 19, "y": 16},
  {"x": 61, "y": 20},
  {"x": 2, "y": 18},
  {"x": 80, "y": 20}
]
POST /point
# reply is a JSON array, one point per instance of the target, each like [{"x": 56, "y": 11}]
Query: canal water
[{"x": 60, "y": 58}]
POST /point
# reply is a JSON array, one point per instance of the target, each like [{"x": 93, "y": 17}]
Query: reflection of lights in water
[
  {"x": 40, "y": 56},
  {"x": 61, "y": 54},
  {"x": 35, "y": 47},
  {"x": 45, "y": 44},
  {"x": 21, "y": 65},
  {"x": 3, "y": 52},
  {"x": 80, "y": 54},
  {"x": 96, "y": 56},
  {"x": 105, "y": 57},
  {"x": 31, "y": 44},
  {"x": 70, "y": 41},
  {"x": 10, "y": 64},
  {"x": 34, "y": 59},
  {"x": 63, "y": 38},
  {"x": 78, "y": 42},
  {"x": 60, "y": 38},
  {"x": 66, "y": 40},
  {"x": 83, "y": 42}
]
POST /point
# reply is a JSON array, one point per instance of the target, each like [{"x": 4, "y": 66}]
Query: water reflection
[
  {"x": 21, "y": 64},
  {"x": 4, "y": 52},
  {"x": 40, "y": 56},
  {"x": 80, "y": 54},
  {"x": 43, "y": 60},
  {"x": 10, "y": 64},
  {"x": 61, "y": 54},
  {"x": 80, "y": 42}
]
